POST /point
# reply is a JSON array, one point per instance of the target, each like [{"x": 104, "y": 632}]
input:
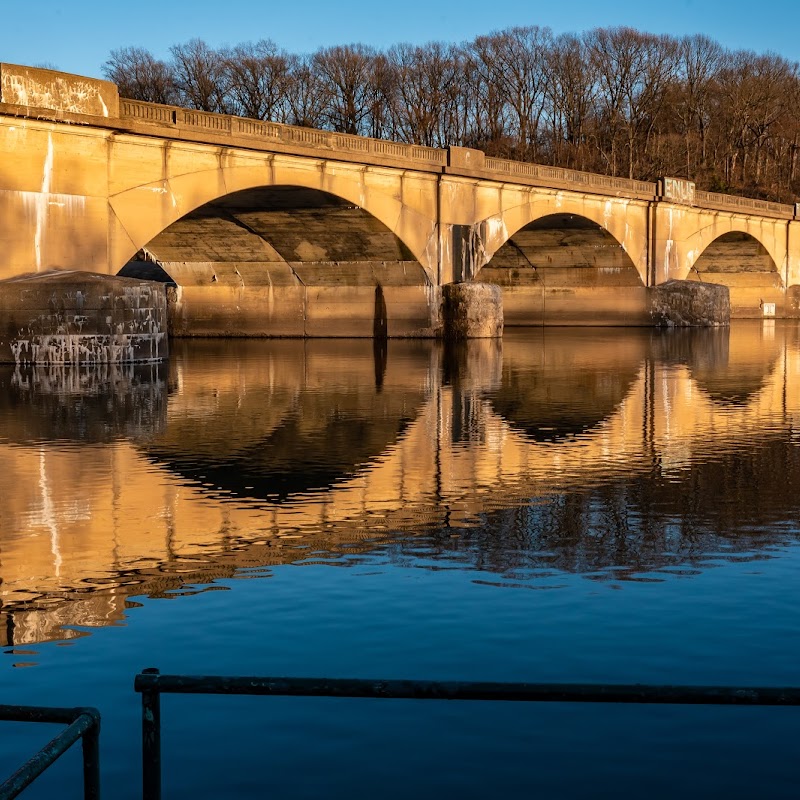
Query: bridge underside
[
  {"x": 288, "y": 261},
  {"x": 564, "y": 269},
  {"x": 742, "y": 263}
]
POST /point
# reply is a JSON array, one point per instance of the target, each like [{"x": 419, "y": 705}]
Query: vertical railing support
[
  {"x": 91, "y": 759},
  {"x": 151, "y": 741}
]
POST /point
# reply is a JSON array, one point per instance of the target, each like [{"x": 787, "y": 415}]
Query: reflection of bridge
[
  {"x": 270, "y": 229},
  {"x": 444, "y": 454}
]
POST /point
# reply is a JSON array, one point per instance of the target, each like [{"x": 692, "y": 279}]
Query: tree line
[{"x": 615, "y": 101}]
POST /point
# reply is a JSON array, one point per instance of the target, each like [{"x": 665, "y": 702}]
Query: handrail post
[
  {"x": 151, "y": 741},
  {"x": 91, "y": 758}
]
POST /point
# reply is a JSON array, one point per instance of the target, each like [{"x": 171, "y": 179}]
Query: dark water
[{"x": 567, "y": 505}]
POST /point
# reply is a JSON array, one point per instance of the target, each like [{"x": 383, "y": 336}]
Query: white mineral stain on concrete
[
  {"x": 270, "y": 296},
  {"x": 42, "y": 201},
  {"x": 669, "y": 246},
  {"x": 72, "y": 95},
  {"x": 62, "y": 337},
  {"x": 497, "y": 233}
]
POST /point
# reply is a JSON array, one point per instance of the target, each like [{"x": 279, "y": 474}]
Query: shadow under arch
[
  {"x": 742, "y": 263},
  {"x": 556, "y": 386},
  {"x": 287, "y": 261},
  {"x": 566, "y": 269}
]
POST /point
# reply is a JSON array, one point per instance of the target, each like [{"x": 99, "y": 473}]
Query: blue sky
[{"x": 78, "y": 36}]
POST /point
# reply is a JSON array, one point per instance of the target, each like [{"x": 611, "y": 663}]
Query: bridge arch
[
  {"x": 739, "y": 260},
  {"x": 192, "y": 177},
  {"x": 711, "y": 227},
  {"x": 560, "y": 267},
  {"x": 621, "y": 218}
]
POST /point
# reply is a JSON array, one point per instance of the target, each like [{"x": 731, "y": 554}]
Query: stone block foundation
[
  {"x": 679, "y": 304},
  {"x": 472, "y": 311},
  {"x": 71, "y": 317}
]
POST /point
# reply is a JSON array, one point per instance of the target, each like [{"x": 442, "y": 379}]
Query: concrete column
[
  {"x": 675, "y": 200},
  {"x": 793, "y": 251},
  {"x": 461, "y": 230}
]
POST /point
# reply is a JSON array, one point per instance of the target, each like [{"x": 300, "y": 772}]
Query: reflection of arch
[
  {"x": 734, "y": 374},
  {"x": 270, "y": 420},
  {"x": 290, "y": 459},
  {"x": 558, "y": 386},
  {"x": 141, "y": 213},
  {"x": 553, "y": 245}
]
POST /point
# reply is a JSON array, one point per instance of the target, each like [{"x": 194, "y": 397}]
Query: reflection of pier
[{"x": 428, "y": 440}]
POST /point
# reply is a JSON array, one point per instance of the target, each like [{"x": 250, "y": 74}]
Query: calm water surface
[{"x": 567, "y": 505}]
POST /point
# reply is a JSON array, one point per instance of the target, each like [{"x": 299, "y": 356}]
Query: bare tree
[
  {"x": 486, "y": 107},
  {"x": 571, "y": 89},
  {"x": 633, "y": 72},
  {"x": 140, "y": 76},
  {"x": 699, "y": 59},
  {"x": 423, "y": 92},
  {"x": 348, "y": 74},
  {"x": 515, "y": 62},
  {"x": 200, "y": 76},
  {"x": 258, "y": 77},
  {"x": 307, "y": 96}
]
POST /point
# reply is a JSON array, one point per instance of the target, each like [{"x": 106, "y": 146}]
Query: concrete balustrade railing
[
  {"x": 289, "y": 134},
  {"x": 728, "y": 201},
  {"x": 543, "y": 172},
  {"x": 226, "y": 124}
]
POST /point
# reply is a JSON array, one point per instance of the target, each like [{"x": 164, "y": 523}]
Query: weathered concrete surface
[
  {"x": 793, "y": 302},
  {"x": 296, "y": 300},
  {"x": 683, "y": 304},
  {"x": 69, "y": 317},
  {"x": 57, "y": 91},
  {"x": 472, "y": 311}
]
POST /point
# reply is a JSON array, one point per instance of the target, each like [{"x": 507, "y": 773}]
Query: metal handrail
[
  {"x": 151, "y": 684},
  {"x": 83, "y": 724}
]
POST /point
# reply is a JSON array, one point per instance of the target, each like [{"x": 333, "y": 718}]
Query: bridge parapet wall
[
  {"x": 47, "y": 89},
  {"x": 524, "y": 172}
]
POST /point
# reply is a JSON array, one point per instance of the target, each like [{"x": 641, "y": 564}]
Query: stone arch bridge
[{"x": 268, "y": 229}]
